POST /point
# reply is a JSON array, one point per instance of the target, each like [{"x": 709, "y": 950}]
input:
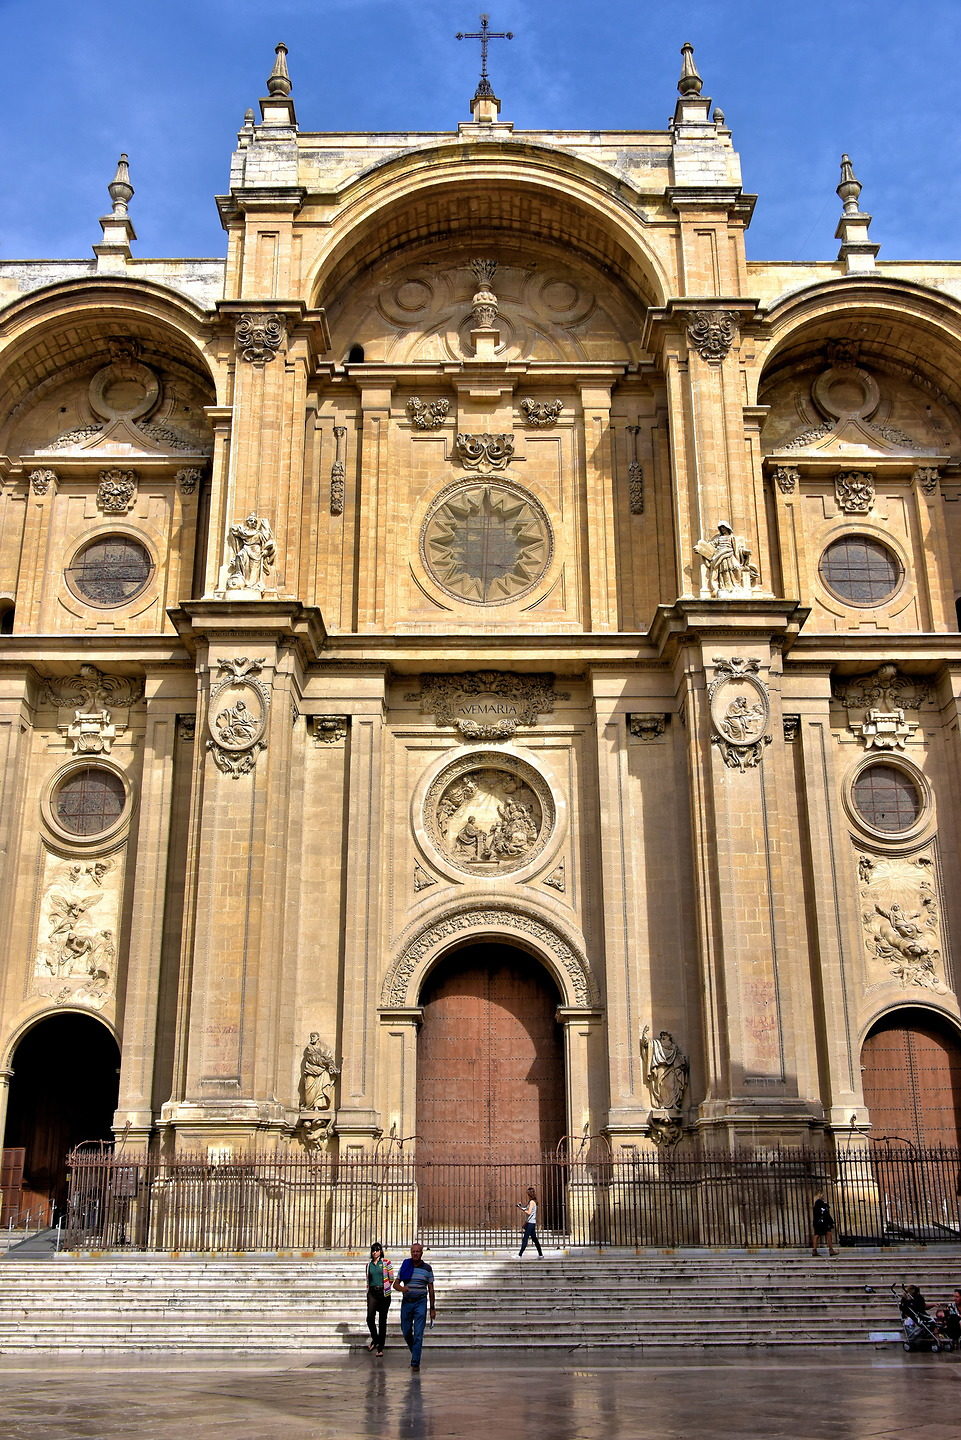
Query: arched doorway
[
  {"x": 490, "y": 1091},
  {"x": 63, "y": 1090},
  {"x": 911, "y": 1064}
]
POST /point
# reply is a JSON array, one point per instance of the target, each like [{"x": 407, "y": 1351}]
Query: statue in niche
[
  {"x": 318, "y": 1072},
  {"x": 666, "y": 1071},
  {"x": 254, "y": 552},
  {"x": 727, "y": 570}
]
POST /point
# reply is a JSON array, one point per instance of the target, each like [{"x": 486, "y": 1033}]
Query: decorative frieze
[
  {"x": 429, "y": 414},
  {"x": 541, "y": 414},
  {"x": 237, "y": 729},
  {"x": 487, "y": 704},
  {"x": 117, "y": 491},
  {"x": 260, "y": 338},
  {"x": 854, "y": 491},
  {"x": 338, "y": 471},
  {"x": 485, "y": 452},
  {"x": 712, "y": 332},
  {"x": 740, "y": 711}
]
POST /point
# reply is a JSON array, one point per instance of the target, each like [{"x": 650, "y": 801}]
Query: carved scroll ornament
[
  {"x": 541, "y": 414},
  {"x": 712, "y": 332},
  {"x": 485, "y": 452},
  {"x": 740, "y": 711},
  {"x": 117, "y": 491},
  {"x": 260, "y": 338},
  {"x": 429, "y": 414}
]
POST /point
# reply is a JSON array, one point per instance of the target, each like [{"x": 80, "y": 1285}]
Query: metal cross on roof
[{"x": 485, "y": 35}]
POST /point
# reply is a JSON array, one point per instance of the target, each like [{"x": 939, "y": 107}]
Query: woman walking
[
  {"x": 822, "y": 1226},
  {"x": 380, "y": 1278},
  {"x": 530, "y": 1223}
]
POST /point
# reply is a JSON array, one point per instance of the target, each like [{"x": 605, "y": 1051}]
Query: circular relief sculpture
[
  {"x": 89, "y": 801},
  {"x": 860, "y": 570},
  {"x": 111, "y": 570},
  {"x": 489, "y": 814},
  {"x": 886, "y": 798},
  {"x": 486, "y": 542}
]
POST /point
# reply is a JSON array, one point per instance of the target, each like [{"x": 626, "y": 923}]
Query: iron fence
[{"x": 306, "y": 1203}]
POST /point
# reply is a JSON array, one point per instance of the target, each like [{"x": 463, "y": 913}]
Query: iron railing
[{"x": 303, "y": 1202}]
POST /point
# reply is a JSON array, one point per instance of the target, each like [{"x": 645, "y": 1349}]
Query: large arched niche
[
  {"x": 54, "y": 342},
  {"x": 530, "y": 197},
  {"x": 906, "y": 339},
  {"x": 479, "y": 921}
]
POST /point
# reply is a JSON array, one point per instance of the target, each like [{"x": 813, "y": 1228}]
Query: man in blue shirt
[{"x": 415, "y": 1281}]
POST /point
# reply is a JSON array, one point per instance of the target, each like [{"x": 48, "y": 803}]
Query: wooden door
[
  {"x": 490, "y": 1062},
  {"x": 912, "y": 1080}
]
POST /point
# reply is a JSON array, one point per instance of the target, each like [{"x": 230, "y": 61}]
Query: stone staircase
[{"x": 651, "y": 1300}]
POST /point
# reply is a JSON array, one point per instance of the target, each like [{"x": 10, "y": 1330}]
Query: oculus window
[
  {"x": 860, "y": 570},
  {"x": 111, "y": 570}
]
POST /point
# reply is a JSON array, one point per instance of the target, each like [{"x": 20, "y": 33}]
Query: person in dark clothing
[
  {"x": 822, "y": 1226},
  {"x": 912, "y": 1303},
  {"x": 380, "y": 1279}
]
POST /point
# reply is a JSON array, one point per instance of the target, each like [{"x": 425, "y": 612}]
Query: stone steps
[{"x": 698, "y": 1299}]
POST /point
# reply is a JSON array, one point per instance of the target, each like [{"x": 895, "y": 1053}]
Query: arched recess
[
  {"x": 476, "y": 921},
  {"x": 911, "y": 1074},
  {"x": 64, "y": 1077}
]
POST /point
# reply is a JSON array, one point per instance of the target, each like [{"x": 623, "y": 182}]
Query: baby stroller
[{"x": 918, "y": 1328}]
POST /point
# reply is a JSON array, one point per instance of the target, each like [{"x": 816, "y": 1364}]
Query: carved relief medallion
[
  {"x": 237, "y": 716},
  {"x": 486, "y": 542},
  {"x": 489, "y": 814},
  {"x": 854, "y": 491},
  {"x": 740, "y": 711}
]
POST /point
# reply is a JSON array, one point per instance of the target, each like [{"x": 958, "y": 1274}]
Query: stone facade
[{"x": 240, "y": 504}]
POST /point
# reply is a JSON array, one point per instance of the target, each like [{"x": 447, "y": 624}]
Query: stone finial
[
  {"x": 850, "y": 187},
  {"x": 857, "y": 251},
  {"x": 690, "y": 82},
  {"x": 120, "y": 190},
  {"x": 278, "y": 81}
]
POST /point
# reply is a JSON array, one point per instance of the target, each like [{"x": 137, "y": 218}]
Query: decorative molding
[
  {"x": 927, "y": 477},
  {"x": 635, "y": 474},
  {"x": 809, "y": 436},
  {"x": 740, "y": 711},
  {"x": 557, "y": 879},
  {"x": 338, "y": 471},
  {"x": 854, "y": 491},
  {"x": 726, "y": 572},
  {"x": 237, "y": 730},
  {"x": 117, "y": 491},
  {"x": 260, "y": 338},
  {"x": 541, "y": 414},
  {"x": 647, "y": 727},
  {"x": 422, "y": 881},
  {"x": 188, "y": 479},
  {"x": 328, "y": 729},
  {"x": 712, "y": 332},
  {"x": 429, "y": 415},
  {"x": 786, "y": 478},
  {"x": 792, "y": 727},
  {"x": 901, "y": 919},
  {"x": 485, "y": 452},
  {"x": 882, "y": 699},
  {"x": 41, "y": 480},
  {"x": 489, "y": 920},
  {"x": 494, "y": 702}
]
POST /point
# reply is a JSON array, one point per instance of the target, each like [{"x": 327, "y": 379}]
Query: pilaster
[{"x": 599, "y": 507}]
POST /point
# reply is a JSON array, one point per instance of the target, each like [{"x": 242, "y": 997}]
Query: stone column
[
  {"x": 235, "y": 937},
  {"x": 5, "y": 1078},
  {"x": 583, "y": 1032},
  {"x": 357, "y": 1119},
  {"x": 142, "y": 987}
]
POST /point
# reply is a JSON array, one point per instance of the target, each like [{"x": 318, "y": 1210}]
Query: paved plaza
[{"x": 500, "y": 1395}]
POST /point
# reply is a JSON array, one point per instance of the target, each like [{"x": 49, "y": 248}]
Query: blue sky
[{"x": 169, "y": 80}]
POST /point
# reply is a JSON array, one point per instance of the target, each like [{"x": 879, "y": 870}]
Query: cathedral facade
[{"x": 480, "y": 663}]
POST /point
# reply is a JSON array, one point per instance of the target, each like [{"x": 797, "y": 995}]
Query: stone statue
[
  {"x": 254, "y": 552},
  {"x": 727, "y": 570},
  {"x": 666, "y": 1070},
  {"x": 318, "y": 1071}
]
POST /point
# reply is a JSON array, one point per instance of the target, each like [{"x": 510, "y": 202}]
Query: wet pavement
[{"x": 500, "y": 1395}]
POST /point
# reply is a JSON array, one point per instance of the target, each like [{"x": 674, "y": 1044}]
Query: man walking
[{"x": 415, "y": 1281}]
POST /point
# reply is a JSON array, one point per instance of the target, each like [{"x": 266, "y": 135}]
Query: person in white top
[{"x": 530, "y": 1223}]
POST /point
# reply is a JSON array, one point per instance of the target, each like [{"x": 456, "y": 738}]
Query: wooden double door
[
  {"x": 490, "y": 1059},
  {"x": 911, "y": 1064}
]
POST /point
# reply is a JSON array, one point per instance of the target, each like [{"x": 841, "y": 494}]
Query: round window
[
  {"x": 110, "y": 570},
  {"x": 887, "y": 798},
  {"x": 89, "y": 801},
  {"x": 860, "y": 570}
]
